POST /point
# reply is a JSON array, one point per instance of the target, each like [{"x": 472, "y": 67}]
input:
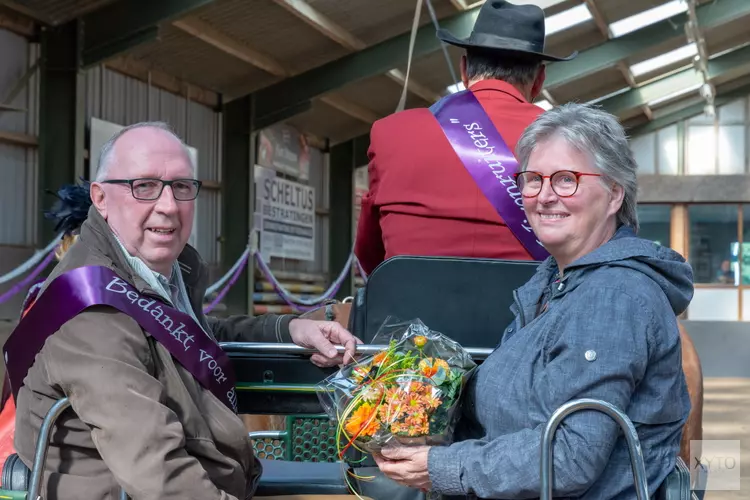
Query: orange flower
[
  {"x": 417, "y": 387},
  {"x": 420, "y": 340},
  {"x": 432, "y": 401},
  {"x": 430, "y": 366},
  {"x": 379, "y": 358},
  {"x": 363, "y": 421},
  {"x": 417, "y": 420}
]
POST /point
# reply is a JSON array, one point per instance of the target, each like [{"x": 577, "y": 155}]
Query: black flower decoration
[{"x": 71, "y": 208}]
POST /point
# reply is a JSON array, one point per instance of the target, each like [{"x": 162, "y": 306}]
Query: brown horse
[{"x": 691, "y": 366}]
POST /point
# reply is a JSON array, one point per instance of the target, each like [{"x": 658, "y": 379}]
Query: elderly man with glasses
[{"x": 118, "y": 329}]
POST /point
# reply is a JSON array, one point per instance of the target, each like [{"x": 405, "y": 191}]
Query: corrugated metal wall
[
  {"x": 18, "y": 164},
  {"x": 120, "y": 99},
  {"x": 112, "y": 97}
]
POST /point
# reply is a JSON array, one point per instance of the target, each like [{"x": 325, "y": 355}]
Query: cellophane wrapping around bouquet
[{"x": 408, "y": 393}]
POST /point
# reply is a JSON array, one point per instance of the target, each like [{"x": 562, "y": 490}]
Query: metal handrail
[
  {"x": 266, "y": 434},
  {"x": 42, "y": 445},
  {"x": 631, "y": 436},
  {"x": 478, "y": 353}
]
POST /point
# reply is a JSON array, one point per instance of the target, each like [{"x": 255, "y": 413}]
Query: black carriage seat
[
  {"x": 323, "y": 478},
  {"x": 442, "y": 293},
  {"x": 281, "y": 477}
]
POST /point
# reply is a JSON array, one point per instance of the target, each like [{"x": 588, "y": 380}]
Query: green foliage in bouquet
[{"x": 407, "y": 392}]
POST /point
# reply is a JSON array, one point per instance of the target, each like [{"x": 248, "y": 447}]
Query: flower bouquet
[{"x": 407, "y": 392}]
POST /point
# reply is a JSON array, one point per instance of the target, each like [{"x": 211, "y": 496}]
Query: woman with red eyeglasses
[{"x": 596, "y": 321}]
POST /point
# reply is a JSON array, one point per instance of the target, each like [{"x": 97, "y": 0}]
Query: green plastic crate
[
  {"x": 307, "y": 438},
  {"x": 12, "y": 495}
]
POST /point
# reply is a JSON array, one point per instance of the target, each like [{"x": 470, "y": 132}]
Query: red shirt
[{"x": 422, "y": 200}]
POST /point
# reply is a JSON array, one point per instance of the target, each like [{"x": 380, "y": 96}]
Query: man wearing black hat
[{"x": 423, "y": 198}]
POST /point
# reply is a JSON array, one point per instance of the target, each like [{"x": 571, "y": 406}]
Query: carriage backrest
[{"x": 464, "y": 298}]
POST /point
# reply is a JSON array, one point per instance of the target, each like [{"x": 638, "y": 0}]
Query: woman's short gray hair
[{"x": 595, "y": 132}]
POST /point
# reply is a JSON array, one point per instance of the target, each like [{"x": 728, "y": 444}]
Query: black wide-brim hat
[{"x": 504, "y": 27}]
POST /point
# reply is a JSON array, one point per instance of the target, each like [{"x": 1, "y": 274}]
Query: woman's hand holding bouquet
[{"x": 407, "y": 394}]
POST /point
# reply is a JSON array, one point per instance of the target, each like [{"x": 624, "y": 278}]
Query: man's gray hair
[
  {"x": 596, "y": 133},
  {"x": 105, "y": 156}
]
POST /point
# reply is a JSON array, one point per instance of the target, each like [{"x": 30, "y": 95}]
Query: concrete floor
[{"x": 726, "y": 408}]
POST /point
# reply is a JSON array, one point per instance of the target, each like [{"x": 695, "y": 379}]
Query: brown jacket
[{"x": 141, "y": 420}]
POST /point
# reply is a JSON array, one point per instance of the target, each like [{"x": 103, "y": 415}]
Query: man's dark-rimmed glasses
[
  {"x": 148, "y": 189},
  {"x": 564, "y": 182}
]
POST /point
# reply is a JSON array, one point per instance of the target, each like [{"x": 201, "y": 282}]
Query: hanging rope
[
  {"x": 412, "y": 40},
  {"x": 361, "y": 270},
  {"x": 31, "y": 262},
  {"x": 294, "y": 300},
  {"x": 229, "y": 274},
  {"x": 240, "y": 266},
  {"x": 435, "y": 23},
  {"x": 28, "y": 280}
]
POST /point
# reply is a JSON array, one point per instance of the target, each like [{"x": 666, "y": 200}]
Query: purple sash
[
  {"x": 76, "y": 290},
  {"x": 486, "y": 156}
]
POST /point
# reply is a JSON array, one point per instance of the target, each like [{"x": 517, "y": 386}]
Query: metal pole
[
  {"x": 42, "y": 445},
  {"x": 266, "y": 434},
  {"x": 631, "y": 436},
  {"x": 476, "y": 353},
  {"x": 40, "y": 455}
]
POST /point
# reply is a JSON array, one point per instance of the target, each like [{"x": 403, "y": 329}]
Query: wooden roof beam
[
  {"x": 212, "y": 36},
  {"x": 16, "y": 22},
  {"x": 350, "y": 108},
  {"x": 140, "y": 71},
  {"x": 379, "y": 58},
  {"x": 117, "y": 27},
  {"x": 330, "y": 29}
]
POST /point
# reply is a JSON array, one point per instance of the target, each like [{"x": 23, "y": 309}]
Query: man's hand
[
  {"x": 406, "y": 465},
  {"x": 322, "y": 335}
]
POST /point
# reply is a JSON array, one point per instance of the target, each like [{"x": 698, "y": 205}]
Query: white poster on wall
[
  {"x": 284, "y": 216},
  {"x": 102, "y": 131}
]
